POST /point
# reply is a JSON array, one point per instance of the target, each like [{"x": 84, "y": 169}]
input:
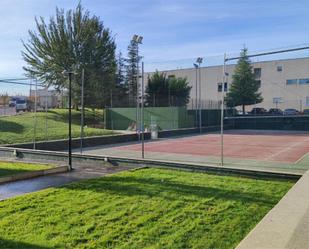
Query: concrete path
[
  {"x": 17, "y": 188},
  {"x": 286, "y": 225}
]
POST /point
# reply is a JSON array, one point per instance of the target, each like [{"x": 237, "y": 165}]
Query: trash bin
[{"x": 154, "y": 131}]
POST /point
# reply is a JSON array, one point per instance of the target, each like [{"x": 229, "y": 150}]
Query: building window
[
  {"x": 277, "y": 100},
  {"x": 171, "y": 76},
  {"x": 279, "y": 68},
  {"x": 220, "y": 87},
  {"x": 257, "y": 72},
  {"x": 303, "y": 81},
  {"x": 258, "y": 82},
  {"x": 291, "y": 81}
]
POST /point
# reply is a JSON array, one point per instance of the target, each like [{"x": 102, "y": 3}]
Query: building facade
[
  {"x": 284, "y": 83},
  {"x": 48, "y": 98}
]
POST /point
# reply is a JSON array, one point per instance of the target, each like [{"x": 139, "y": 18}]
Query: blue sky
[{"x": 175, "y": 32}]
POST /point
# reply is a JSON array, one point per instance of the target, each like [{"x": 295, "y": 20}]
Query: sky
[{"x": 175, "y": 32}]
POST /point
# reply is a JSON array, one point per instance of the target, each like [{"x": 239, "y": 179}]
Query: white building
[
  {"x": 284, "y": 83},
  {"x": 47, "y": 98}
]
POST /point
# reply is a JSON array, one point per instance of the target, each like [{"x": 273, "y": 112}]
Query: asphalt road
[{"x": 7, "y": 111}]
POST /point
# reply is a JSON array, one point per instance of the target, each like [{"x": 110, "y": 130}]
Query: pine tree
[
  {"x": 244, "y": 89},
  {"x": 132, "y": 62},
  {"x": 121, "y": 78}
]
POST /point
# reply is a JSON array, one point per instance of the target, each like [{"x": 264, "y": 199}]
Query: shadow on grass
[
  {"x": 11, "y": 244},
  {"x": 9, "y": 172},
  {"x": 133, "y": 186},
  {"x": 9, "y": 126}
]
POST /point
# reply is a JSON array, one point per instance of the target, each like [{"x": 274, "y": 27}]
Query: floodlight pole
[
  {"x": 70, "y": 120},
  {"x": 222, "y": 108},
  {"x": 196, "y": 80},
  {"x": 137, "y": 95},
  {"x": 82, "y": 113},
  {"x": 35, "y": 116},
  {"x": 142, "y": 114},
  {"x": 46, "y": 113},
  {"x": 200, "y": 89},
  {"x": 137, "y": 40},
  {"x": 70, "y": 73}
]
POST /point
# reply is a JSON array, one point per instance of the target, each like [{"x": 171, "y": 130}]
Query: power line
[
  {"x": 268, "y": 53},
  {"x": 14, "y": 79},
  {"x": 20, "y": 83}
]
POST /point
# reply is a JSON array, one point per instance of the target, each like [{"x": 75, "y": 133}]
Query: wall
[
  {"x": 298, "y": 123},
  {"x": 166, "y": 118}
]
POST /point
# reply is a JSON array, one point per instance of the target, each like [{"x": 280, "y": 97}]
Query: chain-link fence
[{"x": 32, "y": 114}]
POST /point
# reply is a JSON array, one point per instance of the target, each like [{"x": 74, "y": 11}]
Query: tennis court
[{"x": 248, "y": 148}]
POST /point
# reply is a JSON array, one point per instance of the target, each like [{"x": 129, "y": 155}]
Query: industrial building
[{"x": 284, "y": 83}]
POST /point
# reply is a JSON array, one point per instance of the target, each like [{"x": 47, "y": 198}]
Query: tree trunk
[{"x": 243, "y": 109}]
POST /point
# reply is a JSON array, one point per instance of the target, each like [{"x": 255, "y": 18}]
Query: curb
[{"x": 28, "y": 175}]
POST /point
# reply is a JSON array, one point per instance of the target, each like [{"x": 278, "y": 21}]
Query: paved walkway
[{"x": 17, "y": 188}]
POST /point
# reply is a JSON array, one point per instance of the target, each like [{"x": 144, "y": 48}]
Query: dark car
[
  {"x": 258, "y": 111},
  {"x": 290, "y": 111},
  {"x": 275, "y": 111}
]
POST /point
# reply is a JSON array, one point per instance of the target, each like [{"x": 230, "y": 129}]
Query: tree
[
  {"x": 163, "y": 91},
  {"x": 132, "y": 62},
  {"x": 121, "y": 78},
  {"x": 244, "y": 89},
  {"x": 72, "y": 41}
]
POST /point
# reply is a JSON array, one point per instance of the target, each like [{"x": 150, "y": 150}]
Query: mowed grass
[
  {"x": 53, "y": 125},
  {"x": 14, "y": 168},
  {"x": 148, "y": 208}
]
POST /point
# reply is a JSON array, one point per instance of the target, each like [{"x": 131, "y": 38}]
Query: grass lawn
[
  {"x": 14, "y": 168},
  {"x": 148, "y": 208},
  {"x": 20, "y": 128}
]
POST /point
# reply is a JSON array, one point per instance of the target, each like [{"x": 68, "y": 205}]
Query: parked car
[
  {"x": 306, "y": 112},
  {"x": 258, "y": 111},
  {"x": 12, "y": 102},
  {"x": 21, "y": 105},
  {"x": 275, "y": 111},
  {"x": 240, "y": 112},
  {"x": 291, "y": 111}
]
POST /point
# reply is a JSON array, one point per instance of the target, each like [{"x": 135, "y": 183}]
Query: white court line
[
  {"x": 302, "y": 157},
  {"x": 287, "y": 149}
]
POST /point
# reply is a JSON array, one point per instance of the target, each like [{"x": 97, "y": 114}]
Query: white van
[{"x": 21, "y": 105}]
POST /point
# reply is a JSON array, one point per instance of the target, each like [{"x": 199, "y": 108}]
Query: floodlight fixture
[
  {"x": 140, "y": 39},
  {"x": 134, "y": 38},
  {"x": 199, "y": 60},
  {"x": 67, "y": 73}
]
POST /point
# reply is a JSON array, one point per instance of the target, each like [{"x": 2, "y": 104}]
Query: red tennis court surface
[{"x": 272, "y": 146}]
